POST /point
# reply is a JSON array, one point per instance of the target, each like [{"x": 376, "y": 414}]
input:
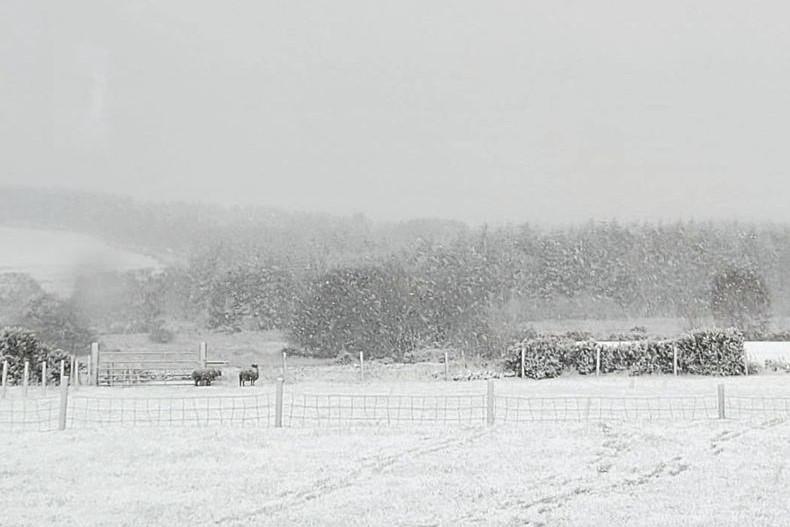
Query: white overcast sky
[{"x": 548, "y": 111}]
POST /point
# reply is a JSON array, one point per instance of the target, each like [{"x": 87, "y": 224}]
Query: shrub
[
  {"x": 356, "y": 309},
  {"x": 709, "y": 352},
  {"x": 18, "y": 345},
  {"x": 776, "y": 365},
  {"x": 582, "y": 356},
  {"x": 542, "y": 357},
  {"x": 57, "y": 324},
  {"x": 740, "y": 298},
  {"x": 344, "y": 358},
  {"x": 712, "y": 352},
  {"x": 161, "y": 334}
]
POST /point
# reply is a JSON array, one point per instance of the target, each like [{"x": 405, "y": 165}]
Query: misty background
[
  {"x": 385, "y": 177},
  {"x": 496, "y": 112}
]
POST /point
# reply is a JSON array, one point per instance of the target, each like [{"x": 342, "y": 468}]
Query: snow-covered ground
[
  {"x": 762, "y": 351},
  {"x": 705, "y": 473},
  {"x": 634, "y": 472},
  {"x": 55, "y": 258}
]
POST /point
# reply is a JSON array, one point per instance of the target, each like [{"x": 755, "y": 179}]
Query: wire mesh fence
[
  {"x": 743, "y": 406},
  {"x": 253, "y": 410},
  {"x": 29, "y": 414},
  {"x": 383, "y": 409},
  {"x": 519, "y": 409},
  {"x": 72, "y": 408}
]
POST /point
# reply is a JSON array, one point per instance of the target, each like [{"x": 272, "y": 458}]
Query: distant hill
[
  {"x": 53, "y": 259},
  {"x": 175, "y": 230}
]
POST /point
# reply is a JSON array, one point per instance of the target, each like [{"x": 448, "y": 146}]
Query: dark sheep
[
  {"x": 205, "y": 376},
  {"x": 248, "y": 375}
]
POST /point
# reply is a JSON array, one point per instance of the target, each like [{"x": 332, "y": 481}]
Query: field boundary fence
[{"x": 69, "y": 408}]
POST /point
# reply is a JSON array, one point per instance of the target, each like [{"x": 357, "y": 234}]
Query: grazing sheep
[
  {"x": 249, "y": 375},
  {"x": 204, "y": 377}
]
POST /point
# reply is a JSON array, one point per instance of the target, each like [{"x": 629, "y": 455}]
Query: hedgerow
[
  {"x": 18, "y": 345},
  {"x": 543, "y": 357},
  {"x": 707, "y": 352}
]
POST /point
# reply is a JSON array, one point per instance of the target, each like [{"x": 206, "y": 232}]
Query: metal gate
[{"x": 116, "y": 367}]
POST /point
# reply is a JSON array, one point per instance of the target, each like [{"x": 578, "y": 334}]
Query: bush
[
  {"x": 161, "y": 334},
  {"x": 709, "y": 352},
  {"x": 356, "y": 309},
  {"x": 582, "y": 356},
  {"x": 776, "y": 365},
  {"x": 18, "y": 345},
  {"x": 712, "y": 352},
  {"x": 740, "y": 298},
  {"x": 543, "y": 358},
  {"x": 57, "y": 324},
  {"x": 344, "y": 358}
]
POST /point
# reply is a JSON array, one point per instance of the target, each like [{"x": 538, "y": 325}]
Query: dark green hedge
[{"x": 707, "y": 352}]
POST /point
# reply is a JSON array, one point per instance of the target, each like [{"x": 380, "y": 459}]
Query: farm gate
[{"x": 125, "y": 367}]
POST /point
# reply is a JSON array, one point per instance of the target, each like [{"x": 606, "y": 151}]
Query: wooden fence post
[
  {"x": 44, "y": 376},
  {"x": 721, "y": 401},
  {"x": 597, "y": 361},
  {"x": 5, "y": 377},
  {"x": 203, "y": 354},
  {"x": 94, "y": 364},
  {"x": 446, "y": 366},
  {"x": 64, "y": 402},
  {"x": 278, "y": 406},
  {"x": 745, "y": 362},
  {"x": 523, "y": 362},
  {"x": 361, "y": 366},
  {"x": 75, "y": 372},
  {"x": 285, "y": 365},
  {"x": 675, "y": 359},
  {"x": 490, "y": 403},
  {"x": 26, "y": 378}
]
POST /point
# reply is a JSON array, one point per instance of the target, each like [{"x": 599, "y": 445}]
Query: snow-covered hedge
[{"x": 706, "y": 352}]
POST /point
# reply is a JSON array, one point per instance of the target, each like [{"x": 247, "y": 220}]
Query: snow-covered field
[
  {"x": 55, "y": 258},
  {"x": 707, "y": 472}
]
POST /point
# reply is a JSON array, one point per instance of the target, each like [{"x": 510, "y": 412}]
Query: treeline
[
  {"x": 478, "y": 291},
  {"x": 344, "y": 283}
]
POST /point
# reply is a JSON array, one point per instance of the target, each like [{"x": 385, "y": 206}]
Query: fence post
[
  {"x": 26, "y": 378},
  {"x": 5, "y": 377},
  {"x": 75, "y": 371},
  {"x": 62, "y": 368},
  {"x": 523, "y": 362},
  {"x": 446, "y": 366},
  {"x": 675, "y": 359},
  {"x": 94, "y": 364},
  {"x": 745, "y": 362},
  {"x": 721, "y": 401},
  {"x": 278, "y": 404},
  {"x": 44, "y": 376},
  {"x": 361, "y": 366},
  {"x": 490, "y": 403},
  {"x": 64, "y": 402},
  {"x": 203, "y": 354},
  {"x": 597, "y": 361},
  {"x": 285, "y": 365}
]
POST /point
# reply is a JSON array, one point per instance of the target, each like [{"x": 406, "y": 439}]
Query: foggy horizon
[{"x": 496, "y": 114}]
